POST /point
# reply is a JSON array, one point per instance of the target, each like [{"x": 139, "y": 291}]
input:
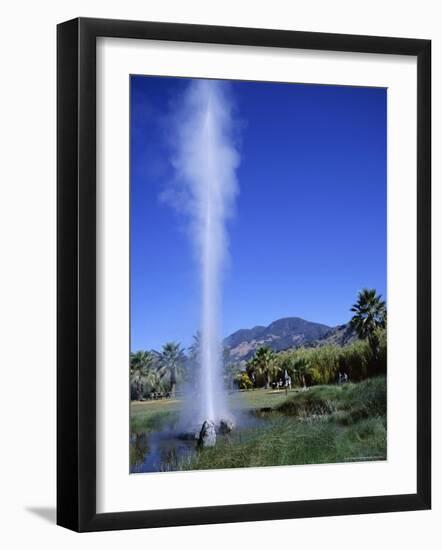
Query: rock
[
  {"x": 225, "y": 426},
  {"x": 207, "y": 437}
]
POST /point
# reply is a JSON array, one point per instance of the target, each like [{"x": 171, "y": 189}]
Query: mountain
[
  {"x": 286, "y": 333},
  {"x": 338, "y": 336}
]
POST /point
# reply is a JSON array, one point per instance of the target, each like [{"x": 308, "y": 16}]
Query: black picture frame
[{"x": 76, "y": 274}]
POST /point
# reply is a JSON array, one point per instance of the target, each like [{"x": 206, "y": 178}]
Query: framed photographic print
[{"x": 243, "y": 274}]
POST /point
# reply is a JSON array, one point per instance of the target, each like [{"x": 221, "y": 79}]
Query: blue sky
[{"x": 310, "y": 225}]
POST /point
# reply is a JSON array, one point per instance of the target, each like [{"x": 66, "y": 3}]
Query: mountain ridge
[{"x": 285, "y": 333}]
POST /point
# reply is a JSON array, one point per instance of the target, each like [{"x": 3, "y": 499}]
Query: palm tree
[
  {"x": 231, "y": 371},
  {"x": 171, "y": 363},
  {"x": 301, "y": 367},
  {"x": 263, "y": 363},
  {"x": 141, "y": 363},
  {"x": 194, "y": 348},
  {"x": 370, "y": 315}
]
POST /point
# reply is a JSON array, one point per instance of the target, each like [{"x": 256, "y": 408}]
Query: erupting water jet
[{"x": 205, "y": 161}]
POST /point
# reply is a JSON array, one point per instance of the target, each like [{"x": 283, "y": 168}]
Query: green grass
[
  {"x": 325, "y": 424},
  {"x": 152, "y": 415},
  {"x": 347, "y": 403},
  {"x": 283, "y": 441},
  {"x": 149, "y": 415},
  {"x": 261, "y": 398}
]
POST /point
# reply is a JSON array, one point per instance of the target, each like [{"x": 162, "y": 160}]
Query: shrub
[
  {"x": 244, "y": 382},
  {"x": 347, "y": 404},
  {"x": 356, "y": 359},
  {"x": 369, "y": 398},
  {"x": 324, "y": 363},
  {"x": 317, "y": 401}
]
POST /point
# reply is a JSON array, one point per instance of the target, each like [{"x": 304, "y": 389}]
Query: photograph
[
  {"x": 258, "y": 274},
  {"x": 219, "y": 252}
]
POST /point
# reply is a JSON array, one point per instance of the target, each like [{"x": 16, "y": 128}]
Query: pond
[{"x": 168, "y": 448}]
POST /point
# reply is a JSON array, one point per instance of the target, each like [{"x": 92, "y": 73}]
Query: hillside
[{"x": 289, "y": 332}]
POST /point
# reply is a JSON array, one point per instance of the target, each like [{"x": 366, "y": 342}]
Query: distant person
[{"x": 287, "y": 380}]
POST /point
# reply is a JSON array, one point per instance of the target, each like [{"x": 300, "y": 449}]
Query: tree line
[
  {"x": 161, "y": 371},
  {"x": 324, "y": 364},
  {"x": 156, "y": 371}
]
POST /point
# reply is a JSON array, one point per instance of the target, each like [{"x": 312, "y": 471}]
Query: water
[
  {"x": 159, "y": 451},
  {"x": 212, "y": 227},
  {"x": 205, "y": 159},
  {"x": 166, "y": 449}
]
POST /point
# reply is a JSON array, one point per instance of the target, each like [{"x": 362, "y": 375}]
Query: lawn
[
  {"x": 261, "y": 398},
  {"x": 144, "y": 414},
  {"x": 149, "y": 415}
]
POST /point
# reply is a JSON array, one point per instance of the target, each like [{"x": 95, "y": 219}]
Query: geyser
[{"x": 205, "y": 160}]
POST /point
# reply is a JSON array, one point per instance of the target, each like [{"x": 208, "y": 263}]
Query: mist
[{"x": 205, "y": 159}]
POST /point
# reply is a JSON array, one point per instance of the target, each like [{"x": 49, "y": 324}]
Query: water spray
[{"x": 206, "y": 160}]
